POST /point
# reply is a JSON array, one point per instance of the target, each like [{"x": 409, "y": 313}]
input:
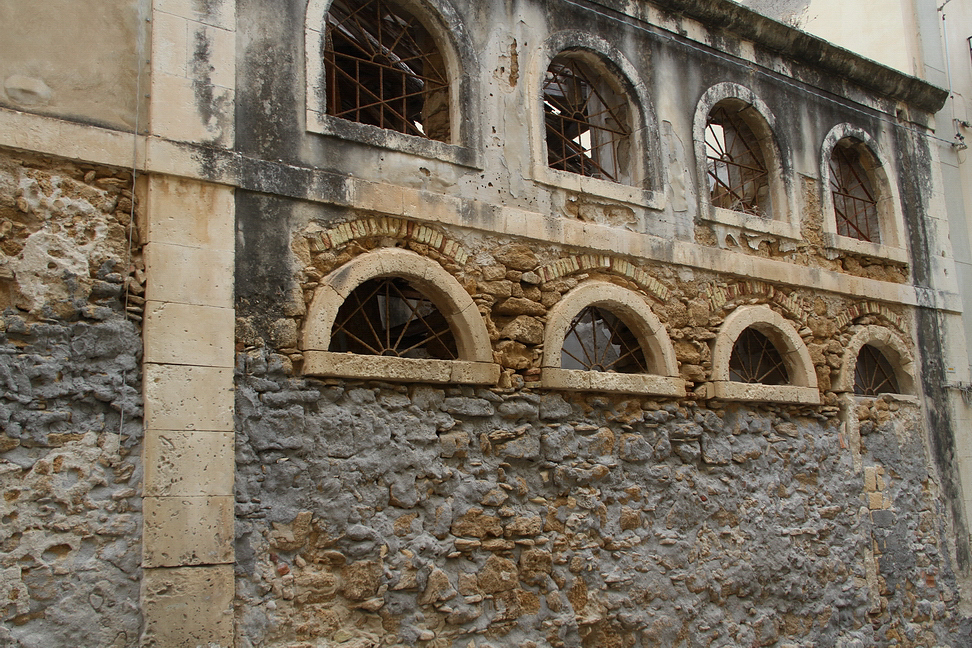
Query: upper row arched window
[
  {"x": 384, "y": 68},
  {"x": 386, "y": 64},
  {"x": 586, "y": 118}
]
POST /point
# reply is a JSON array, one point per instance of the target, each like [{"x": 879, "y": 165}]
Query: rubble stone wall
[
  {"x": 374, "y": 514},
  {"x": 371, "y": 513},
  {"x": 70, "y": 405}
]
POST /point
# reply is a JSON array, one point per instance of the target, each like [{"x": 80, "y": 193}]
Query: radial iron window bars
[
  {"x": 855, "y": 204},
  {"x": 737, "y": 172},
  {"x": 873, "y": 373},
  {"x": 586, "y": 121},
  {"x": 598, "y": 340},
  {"x": 755, "y": 359},
  {"x": 388, "y": 317}
]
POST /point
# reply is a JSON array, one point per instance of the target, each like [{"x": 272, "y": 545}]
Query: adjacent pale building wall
[{"x": 75, "y": 60}]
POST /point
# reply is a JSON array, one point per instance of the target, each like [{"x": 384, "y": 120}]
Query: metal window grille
[
  {"x": 855, "y": 202},
  {"x": 738, "y": 177},
  {"x": 388, "y": 317},
  {"x": 598, "y": 340},
  {"x": 873, "y": 373},
  {"x": 755, "y": 359},
  {"x": 383, "y": 68},
  {"x": 587, "y": 124}
]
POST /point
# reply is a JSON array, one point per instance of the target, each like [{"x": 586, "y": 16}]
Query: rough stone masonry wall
[
  {"x": 70, "y": 406},
  {"x": 372, "y": 514}
]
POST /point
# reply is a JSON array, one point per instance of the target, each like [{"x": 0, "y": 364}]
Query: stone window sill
[
  {"x": 348, "y": 365},
  {"x": 865, "y": 248},
  {"x": 737, "y": 391},
  {"x": 601, "y": 381},
  {"x": 634, "y": 196},
  {"x": 753, "y": 223},
  {"x": 384, "y": 138}
]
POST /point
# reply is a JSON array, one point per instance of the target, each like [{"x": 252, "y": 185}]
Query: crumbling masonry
[{"x": 319, "y": 365}]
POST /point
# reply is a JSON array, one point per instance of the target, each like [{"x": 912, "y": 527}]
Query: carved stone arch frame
[
  {"x": 893, "y": 348},
  {"x": 647, "y": 178},
  {"x": 784, "y": 221},
  {"x": 890, "y": 216},
  {"x": 475, "y": 364},
  {"x": 636, "y": 314},
  {"x": 443, "y": 22},
  {"x": 802, "y": 388}
]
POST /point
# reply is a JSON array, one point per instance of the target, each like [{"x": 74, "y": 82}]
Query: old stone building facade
[{"x": 445, "y": 323}]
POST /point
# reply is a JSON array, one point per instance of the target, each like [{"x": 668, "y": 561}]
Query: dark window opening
[
  {"x": 383, "y": 68},
  {"x": 737, "y": 172},
  {"x": 598, "y": 340},
  {"x": 855, "y": 201},
  {"x": 388, "y": 317},
  {"x": 755, "y": 359},
  {"x": 874, "y": 373},
  {"x": 588, "y": 130}
]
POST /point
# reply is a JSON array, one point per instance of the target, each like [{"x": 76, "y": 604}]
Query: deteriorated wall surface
[
  {"x": 379, "y": 514},
  {"x": 70, "y": 407},
  {"x": 373, "y": 514}
]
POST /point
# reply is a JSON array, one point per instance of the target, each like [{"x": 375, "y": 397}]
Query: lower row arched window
[
  {"x": 392, "y": 314},
  {"x": 759, "y": 356},
  {"x": 601, "y": 337},
  {"x": 876, "y": 361}
]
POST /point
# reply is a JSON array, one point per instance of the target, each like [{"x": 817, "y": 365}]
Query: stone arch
[
  {"x": 893, "y": 348},
  {"x": 444, "y": 24},
  {"x": 636, "y": 314},
  {"x": 760, "y": 119},
  {"x": 802, "y": 387},
  {"x": 475, "y": 363},
  {"x": 876, "y": 163},
  {"x": 624, "y": 75}
]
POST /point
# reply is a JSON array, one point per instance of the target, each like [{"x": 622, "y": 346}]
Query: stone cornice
[{"x": 807, "y": 49}]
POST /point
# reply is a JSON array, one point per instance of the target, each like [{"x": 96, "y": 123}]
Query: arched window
[
  {"x": 873, "y": 373},
  {"x": 758, "y": 356},
  {"x": 735, "y": 163},
  {"x": 755, "y": 359},
  {"x": 598, "y": 340},
  {"x": 588, "y": 126},
  {"x": 853, "y": 191},
  {"x": 389, "y": 317},
  {"x": 860, "y": 200},
  {"x": 384, "y": 68},
  {"x": 744, "y": 182},
  {"x": 876, "y": 361},
  {"x": 391, "y": 314},
  {"x": 601, "y": 337}
]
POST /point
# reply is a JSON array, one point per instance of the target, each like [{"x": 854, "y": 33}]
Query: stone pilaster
[{"x": 187, "y": 544}]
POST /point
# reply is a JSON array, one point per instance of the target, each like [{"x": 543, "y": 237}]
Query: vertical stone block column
[
  {"x": 188, "y": 229},
  {"x": 187, "y": 544}
]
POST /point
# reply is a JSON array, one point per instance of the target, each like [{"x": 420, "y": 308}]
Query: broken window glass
[
  {"x": 755, "y": 359},
  {"x": 388, "y": 317},
  {"x": 588, "y": 131},
  {"x": 598, "y": 340},
  {"x": 383, "y": 68}
]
